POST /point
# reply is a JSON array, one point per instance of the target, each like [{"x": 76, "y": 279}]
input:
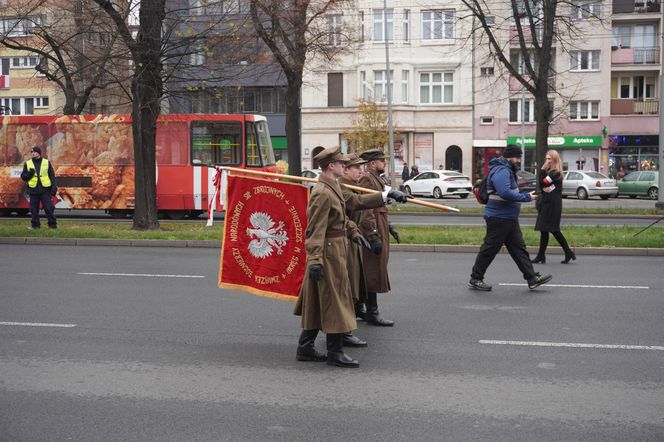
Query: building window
[
  {"x": 380, "y": 85},
  {"x": 638, "y": 87},
  {"x": 516, "y": 113},
  {"x": 366, "y": 87},
  {"x": 406, "y": 25},
  {"x": 335, "y": 89},
  {"x": 24, "y": 62},
  {"x": 334, "y": 28},
  {"x": 584, "y": 110},
  {"x": 583, "y": 10},
  {"x": 436, "y": 88},
  {"x": 584, "y": 60},
  {"x": 633, "y": 36},
  {"x": 486, "y": 121},
  {"x": 197, "y": 55},
  {"x": 437, "y": 25},
  {"x": 19, "y": 106},
  {"x": 361, "y": 25},
  {"x": 19, "y": 26},
  {"x": 383, "y": 24},
  {"x": 487, "y": 72},
  {"x": 41, "y": 102},
  {"x": 404, "y": 86},
  {"x": 490, "y": 20}
]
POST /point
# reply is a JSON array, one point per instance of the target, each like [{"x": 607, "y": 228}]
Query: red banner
[{"x": 263, "y": 244}]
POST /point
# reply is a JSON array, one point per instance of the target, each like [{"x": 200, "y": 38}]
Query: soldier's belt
[{"x": 335, "y": 233}]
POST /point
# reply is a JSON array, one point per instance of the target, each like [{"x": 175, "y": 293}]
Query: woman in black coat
[{"x": 550, "y": 207}]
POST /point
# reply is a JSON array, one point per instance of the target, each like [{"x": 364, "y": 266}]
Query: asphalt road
[{"x": 169, "y": 357}]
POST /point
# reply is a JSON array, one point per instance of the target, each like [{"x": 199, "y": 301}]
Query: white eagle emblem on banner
[{"x": 266, "y": 236}]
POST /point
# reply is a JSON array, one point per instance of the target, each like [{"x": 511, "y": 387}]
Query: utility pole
[
  {"x": 660, "y": 198},
  {"x": 390, "y": 128}
]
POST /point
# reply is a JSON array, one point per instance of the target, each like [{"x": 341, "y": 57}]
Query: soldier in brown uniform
[
  {"x": 356, "y": 203},
  {"x": 375, "y": 227},
  {"x": 326, "y": 301}
]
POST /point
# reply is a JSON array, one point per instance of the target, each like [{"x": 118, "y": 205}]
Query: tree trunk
[
  {"x": 147, "y": 90},
  {"x": 293, "y": 129},
  {"x": 542, "y": 113}
]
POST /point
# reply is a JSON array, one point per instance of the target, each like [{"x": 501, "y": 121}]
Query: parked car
[
  {"x": 439, "y": 183},
  {"x": 643, "y": 183},
  {"x": 527, "y": 181},
  {"x": 310, "y": 173},
  {"x": 584, "y": 184}
]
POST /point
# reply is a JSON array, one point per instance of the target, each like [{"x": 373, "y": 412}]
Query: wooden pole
[{"x": 314, "y": 180}]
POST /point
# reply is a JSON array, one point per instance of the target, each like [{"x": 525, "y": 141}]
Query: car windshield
[{"x": 595, "y": 175}]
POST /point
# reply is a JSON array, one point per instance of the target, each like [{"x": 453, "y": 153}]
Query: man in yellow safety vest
[{"x": 38, "y": 173}]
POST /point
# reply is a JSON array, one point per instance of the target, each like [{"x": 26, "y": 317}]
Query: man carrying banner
[
  {"x": 326, "y": 302},
  {"x": 356, "y": 204},
  {"x": 376, "y": 228}
]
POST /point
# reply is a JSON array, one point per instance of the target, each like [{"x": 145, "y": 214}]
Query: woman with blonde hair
[{"x": 550, "y": 207}]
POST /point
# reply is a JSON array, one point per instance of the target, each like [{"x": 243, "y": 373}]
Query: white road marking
[
  {"x": 587, "y": 286},
  {"x": 37, "y": 324},
  {"x": 142, "y": 275},
  {"x": 574, "y": 345}
]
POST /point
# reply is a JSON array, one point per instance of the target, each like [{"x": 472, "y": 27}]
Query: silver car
[{"x": 584, "y": 184}]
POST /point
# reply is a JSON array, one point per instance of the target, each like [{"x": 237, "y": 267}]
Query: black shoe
[
  {"x": 309, "y": 354},
  {"x": 375, "y": 318},
  {"x": 539, "y": 260},
  {"x": 350, "y": 340},
  {"x": 479, "y": 284},
  {"x": 360, "y": 311},
  {"x": 538, "y": 280},
  {"x": 568, "y": 255},
  {"x": 341, "y": 359}
]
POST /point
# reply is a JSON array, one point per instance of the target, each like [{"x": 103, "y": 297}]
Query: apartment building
[
  {"x": 431, "y": 73},
  {"x": 604, "y": 91},
  {"x": 84, "y": 33}
]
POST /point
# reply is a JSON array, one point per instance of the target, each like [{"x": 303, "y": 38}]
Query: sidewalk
[{"x": 431, "y": 248}]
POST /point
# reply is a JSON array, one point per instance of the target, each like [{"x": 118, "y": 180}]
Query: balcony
[
  {"x": 635, "y": 55},
  {"x": 4, "y": 81},
  {"x": 630, "y": 6},
  {"x": 628, "y": 106}
]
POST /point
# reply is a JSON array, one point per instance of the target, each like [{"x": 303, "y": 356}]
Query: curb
[{"x": 216, "y": 244}]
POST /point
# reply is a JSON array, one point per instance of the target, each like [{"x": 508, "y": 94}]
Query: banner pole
[{"x": 314, "y": 180}]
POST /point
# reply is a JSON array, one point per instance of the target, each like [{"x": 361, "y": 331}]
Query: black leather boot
[
  {"x": 373, "y": 316},
  {"x": 360, "y": 310},
  {"x": 335, "y": 352},
  {"x": 539, "y": 259},
  {"x": 306, "y": 350},
  {"x": 350, "y": 340}
]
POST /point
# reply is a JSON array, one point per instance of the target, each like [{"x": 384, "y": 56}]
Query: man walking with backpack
[{"x": 501, "y": 215}]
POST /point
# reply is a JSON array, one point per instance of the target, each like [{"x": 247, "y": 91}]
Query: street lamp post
[{"x": 390, "y": 128}]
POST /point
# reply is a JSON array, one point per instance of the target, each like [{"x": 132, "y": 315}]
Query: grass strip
[
  {"x": 527, "y": 209},
  {"x": 577, "y": 236}
]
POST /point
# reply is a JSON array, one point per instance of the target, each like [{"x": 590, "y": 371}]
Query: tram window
[
  {"x": 253, "y": 153},
  {"x": 215, "y": 142},
  {"x": 265, "y": 143}
]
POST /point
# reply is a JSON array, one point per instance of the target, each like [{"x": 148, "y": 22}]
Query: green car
[{"x": 643, "y": 183}]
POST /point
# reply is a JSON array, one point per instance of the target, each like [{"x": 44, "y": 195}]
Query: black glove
[
  {"x": 54, "y": 191},
  {"x": 316, "y": 272},
  {"x": 397, "y": 195},
  {"x": 377, "y": 246},
  {"x": 362, "y": 241},
  {"x": 31, "y": 173},
  {"x": 394, "y": 233}
]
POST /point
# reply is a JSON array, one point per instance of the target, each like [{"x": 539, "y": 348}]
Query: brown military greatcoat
[
  {"x": 375, "y": 224},
  {"x": 327, "y": 305},
  {"x": 356, "y": 204}
]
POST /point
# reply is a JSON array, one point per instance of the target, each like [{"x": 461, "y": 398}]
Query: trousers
[
  {"x": 501, "y": 231},
  {"x": 47, "y": 202}
]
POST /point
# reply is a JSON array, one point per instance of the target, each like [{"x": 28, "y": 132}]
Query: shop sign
[{"x": 564, "y": 141}]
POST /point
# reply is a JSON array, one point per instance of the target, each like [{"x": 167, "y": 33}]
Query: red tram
[{"x": 93, "y": 158}]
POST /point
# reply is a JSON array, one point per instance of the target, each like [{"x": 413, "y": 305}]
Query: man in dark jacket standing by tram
[{"x": 38, "y": 173}]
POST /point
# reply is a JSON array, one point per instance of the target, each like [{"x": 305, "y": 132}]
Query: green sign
[
  {"x": 279, "y": 143},
  {"x": 561, "y": 141}
]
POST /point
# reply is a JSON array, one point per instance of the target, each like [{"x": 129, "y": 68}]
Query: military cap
[
  {"x": 373, "y": 154},
  {"x": 355, "y": 160},
  {"x": 329, "y": 155}
]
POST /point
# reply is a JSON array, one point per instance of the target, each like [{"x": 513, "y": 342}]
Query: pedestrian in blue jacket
[{"x": 501, "y": 215}]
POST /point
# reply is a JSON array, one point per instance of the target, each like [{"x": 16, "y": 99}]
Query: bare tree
[
  {"x": 295, "y": 30},
  {"x": 537, "y": 26},
  {"x": 77, "y": 49}
]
